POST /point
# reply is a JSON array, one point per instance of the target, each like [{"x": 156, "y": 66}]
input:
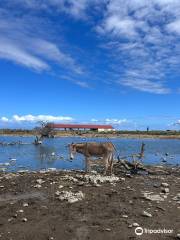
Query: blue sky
[{"x": 108, "y": 61}]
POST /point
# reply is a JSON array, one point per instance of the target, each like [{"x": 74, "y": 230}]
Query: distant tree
[{"x": 46, "y": 129}]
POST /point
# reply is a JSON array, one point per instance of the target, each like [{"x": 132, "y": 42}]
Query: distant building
[{"x": 92, "y": 127}]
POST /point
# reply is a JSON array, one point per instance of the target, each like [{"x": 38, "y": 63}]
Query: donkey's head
[{"x": 72, "y": 150}]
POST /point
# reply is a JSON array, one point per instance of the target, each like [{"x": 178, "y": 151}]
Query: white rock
[
  {"x": 125, "y": 216},
  {"x": 25, "y": 204},
  {"x": 20, "y": 211},
  {"x": 135, "y": 225},
  {"x": 178, "y": 235},
  {"x": 146, "y": 214},
  {"x": 107, "y": 229},
  {"x": 10, "y": 219},
  {"x": 57, "y": 193},
  {"x": 153, "y": 197},
  {"x": 40, "y": 181},
  {"x": 70, "y": 178},
  {"x": 100, "y": 179},
  {"x": 70, "y": 196},
  {"x": 24, "y": 219},
  {"x": 165, "y": 190},
  {"x": 37, "y": 186},
  {"x": 122, "y": 179}
]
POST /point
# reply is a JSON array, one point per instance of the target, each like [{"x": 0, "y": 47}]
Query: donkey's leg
[
  {"x": 111, "y": 163},
  {"x": 87, "y": 164},
  {"x": 106, "y": 163}
]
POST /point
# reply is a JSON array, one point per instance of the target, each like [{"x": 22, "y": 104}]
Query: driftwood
[{"x": 136, "y": 164}]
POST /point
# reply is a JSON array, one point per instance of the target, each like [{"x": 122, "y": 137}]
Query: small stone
[
  {"x": 146, "y": 214},
  {"x": 125, "y": 216},
  {"x": 40, "y": 181},
  {"x": 135, "y": 225},
  {"x": 57, "y": 193},
  {"x": 122, "y": 179},
  {"x": 107, "y": 229},
  {"x": 51, "y": 238},
  {"x": 37, "y": 186},
  {"x": 20, "y": 211},
  {"x": 25, "y": 204},
  {"x": 80, "y": 183},
  {"x": 128, "y": 175},
  {"x": 178, "y": 236},
  {"x": 60, "y": 186},
  {"x": 10, "y": 219},
  {"x": 24, "y": 219},
  {"x": 15, "y": 215},
  {"x": 165, "y": 190}
]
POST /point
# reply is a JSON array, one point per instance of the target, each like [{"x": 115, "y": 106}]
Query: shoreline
[{"x": 101, "y": 135}]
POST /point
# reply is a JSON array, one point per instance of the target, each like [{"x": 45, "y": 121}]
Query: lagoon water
[{"x": 53, "y": 153}]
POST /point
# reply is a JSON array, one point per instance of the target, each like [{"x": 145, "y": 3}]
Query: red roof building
[{"x": 83, "y": 126}]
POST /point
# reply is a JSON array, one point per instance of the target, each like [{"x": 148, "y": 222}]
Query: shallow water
[{"x": 31, "y": 157}]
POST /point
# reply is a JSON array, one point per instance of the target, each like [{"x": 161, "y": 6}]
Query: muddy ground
[{"x": 37, "y": 206}]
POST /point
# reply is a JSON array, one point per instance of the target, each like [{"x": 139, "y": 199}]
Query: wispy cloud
[
  {"x": 113, "y": 121},
  {"x": 76, "y": 9},
  {"x": 143, "y": 37},
  {"x": 177, "y": 122},
  {"x": 82, "y": 84},
  {"x": 35, "y": 118},
  {"x": 24, "y": 41}
]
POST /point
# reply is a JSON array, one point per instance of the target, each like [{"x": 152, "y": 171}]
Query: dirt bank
[
  {"x": 74, "y": 205},
  {"x": 100, "y": 135}
]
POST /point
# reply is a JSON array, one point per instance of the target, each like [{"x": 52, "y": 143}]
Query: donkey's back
[{"x": 98, "y": 149}]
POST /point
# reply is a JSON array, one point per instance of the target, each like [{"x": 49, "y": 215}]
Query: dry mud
[{"x": 78, "y": 206}]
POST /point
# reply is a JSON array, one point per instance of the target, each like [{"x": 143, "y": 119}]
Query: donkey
[{"x": 94, "y": 149}]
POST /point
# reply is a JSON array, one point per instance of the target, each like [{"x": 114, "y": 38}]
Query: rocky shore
[{"x": 72, "y": 205}]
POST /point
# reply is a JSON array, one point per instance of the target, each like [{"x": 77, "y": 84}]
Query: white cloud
[
  {"x": 77, "y": 9},
  {"x": 4, "y": 119},
  {"x": 141, "y": 34},
  {"x": 145, "y": 86},
  {"x": 35, "y": 118},
  {"x": 23, "y": 41},
  {"x": 174, "y": 26},
  {"x": 82, "y": 84},
  {"x": 176, "y": 123},
  {"x": 140, "y": 38},
  {"x": 94, "y": 120},
  {"x": 115, "y": 121},
  {"x": 19, "y": 55}
]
